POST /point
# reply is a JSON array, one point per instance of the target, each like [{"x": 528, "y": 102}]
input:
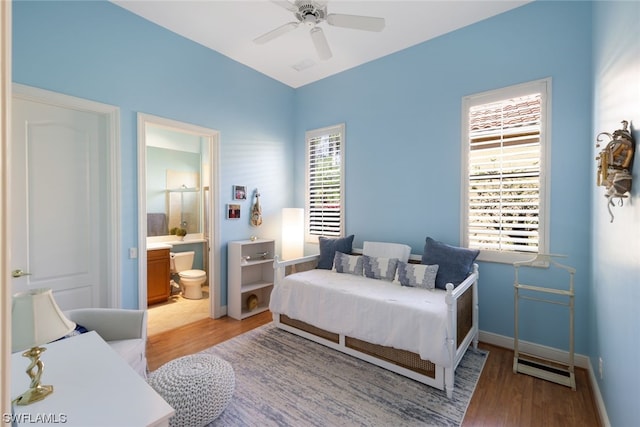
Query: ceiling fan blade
[
  {"x": 321, "y": 44},
  {"x": 283, "y": 3},
  {"x": 367, "y": 23},
  {"x": 283, "y": 29}
]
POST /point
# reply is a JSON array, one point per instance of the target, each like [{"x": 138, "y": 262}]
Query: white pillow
[{"x": 387, "y": 250}]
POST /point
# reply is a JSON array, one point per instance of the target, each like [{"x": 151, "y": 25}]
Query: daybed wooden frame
[{"x": 462, "y": 317}]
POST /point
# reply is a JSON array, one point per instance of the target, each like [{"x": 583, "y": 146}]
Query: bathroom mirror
[
  {"x": 176, "y": 181},
  {"x": 177, "y": 188}
]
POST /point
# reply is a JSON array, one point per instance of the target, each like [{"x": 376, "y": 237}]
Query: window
[
  {"x": 324, "y": 206},
  {"x": 505, "y": 144}
]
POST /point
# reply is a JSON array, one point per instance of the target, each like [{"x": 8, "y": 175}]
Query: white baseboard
[
  {"x": 551, "y": 353},
  {"x": 533, "y": 349},
  {"x": 602, "y": 410}
]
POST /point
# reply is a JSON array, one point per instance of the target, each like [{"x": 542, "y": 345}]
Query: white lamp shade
[
  {"x": 36, "y": 319},
  {"x": 292, "y": 233}
]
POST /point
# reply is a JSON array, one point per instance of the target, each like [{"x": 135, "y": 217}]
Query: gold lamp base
[
  {"x": 33, "y": 395},
  {"x": 36, "y": 391}
]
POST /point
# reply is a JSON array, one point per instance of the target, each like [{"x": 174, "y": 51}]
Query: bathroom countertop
[
  {"x": 169, "y": 241},
  {"x": 185, "y": 241},
  {"x": 156, "y": 246}
]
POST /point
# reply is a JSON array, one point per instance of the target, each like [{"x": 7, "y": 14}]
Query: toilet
[{"x": 190, "y": 280}]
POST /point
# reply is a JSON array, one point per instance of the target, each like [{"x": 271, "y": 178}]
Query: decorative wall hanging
[
  {"x": 614, "y": 165},
  {"x": 256, "y": 211}
]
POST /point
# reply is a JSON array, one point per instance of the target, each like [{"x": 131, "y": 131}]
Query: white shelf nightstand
[{"x": 250, "y": 271}]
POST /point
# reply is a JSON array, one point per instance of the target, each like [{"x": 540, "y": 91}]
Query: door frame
[
  {"x": 215, "y": 307},
  {"x": 5, "y": 229},
  {"x": 112, "y": 116}
]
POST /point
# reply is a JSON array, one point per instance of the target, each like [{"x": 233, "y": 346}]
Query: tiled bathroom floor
[{"x": 176, "y": 312}]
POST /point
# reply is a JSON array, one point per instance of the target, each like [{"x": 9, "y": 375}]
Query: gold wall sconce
[{"x": 614, "y": 165}]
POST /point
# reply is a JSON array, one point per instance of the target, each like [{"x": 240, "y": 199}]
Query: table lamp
[
  {"x": 36, "y": 319},
  {"x": 292, "y": 233}
]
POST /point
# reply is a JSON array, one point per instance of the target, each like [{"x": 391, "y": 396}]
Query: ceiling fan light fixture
[
  {"x": 310, "y": 12},
  {"x": 310, "y": 21},
  {"x": 314, "y": 12}
]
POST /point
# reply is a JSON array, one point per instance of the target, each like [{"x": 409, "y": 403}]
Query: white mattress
[{"x": 375, "y": 311}]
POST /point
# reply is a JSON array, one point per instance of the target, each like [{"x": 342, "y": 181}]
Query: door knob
[{"x": 19, "y": 273}]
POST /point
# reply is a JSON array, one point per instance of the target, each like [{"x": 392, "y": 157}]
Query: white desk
[{"x": 92, "y": 386}]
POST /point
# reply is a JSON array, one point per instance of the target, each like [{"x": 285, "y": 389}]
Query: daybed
[{"x": 384, "y": 305}]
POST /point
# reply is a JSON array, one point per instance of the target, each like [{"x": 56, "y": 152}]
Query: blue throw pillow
[
  {"x": 78, "y": 330},
  {"x": 454, "y": 263},
  {"x": 329, "y": 247}
]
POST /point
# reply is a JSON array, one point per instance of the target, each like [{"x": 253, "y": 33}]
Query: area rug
[{"x": 286, "y": 380}]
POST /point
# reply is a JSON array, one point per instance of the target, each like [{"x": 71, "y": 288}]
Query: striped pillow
[
  {"x": 417, "y": 275},
  {"x": 379, "y": 268},
  {"x": 351, "y": 264}
]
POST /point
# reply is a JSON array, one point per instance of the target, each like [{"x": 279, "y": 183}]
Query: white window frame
[
  {"x": 543, "y": 87},
  {"x": 309, "y": 136}
]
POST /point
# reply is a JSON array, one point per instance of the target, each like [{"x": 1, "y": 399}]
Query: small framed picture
[
  {"x": 233, "y": 211},
  {"x": 239, "y": 192}
]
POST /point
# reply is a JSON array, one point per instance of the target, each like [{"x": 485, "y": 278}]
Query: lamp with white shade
[
  {"x": 292, "y": 233},
  {"x": 36, "y": 319}
]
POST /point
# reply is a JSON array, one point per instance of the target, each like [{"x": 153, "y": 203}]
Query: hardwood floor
[
  {"x": 198, "y": 336},
  {"x": 501, "y": 398}
]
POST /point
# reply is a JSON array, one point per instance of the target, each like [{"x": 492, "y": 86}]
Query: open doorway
[{"x": 178, "y": 194}]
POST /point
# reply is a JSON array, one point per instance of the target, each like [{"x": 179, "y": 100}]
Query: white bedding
[
  {"x": 372, "y": 310},
  {"x": 387, "y": 250}
]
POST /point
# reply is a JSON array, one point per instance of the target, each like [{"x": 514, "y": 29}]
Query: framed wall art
[
  {"x": 239, "y": 192},
  {"x": 233, "y": 211}
]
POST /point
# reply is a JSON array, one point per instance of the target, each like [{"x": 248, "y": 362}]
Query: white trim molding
[
  {"x": 212, "y": 136},
  {"x": 513, "y": 250},
  {"x": 5, "y": 231}
]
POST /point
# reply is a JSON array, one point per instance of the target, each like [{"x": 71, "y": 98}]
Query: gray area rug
[{"x": 286, "y": 380}]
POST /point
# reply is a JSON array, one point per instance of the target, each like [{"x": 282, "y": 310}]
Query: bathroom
[{"x": 177, "y": 198}]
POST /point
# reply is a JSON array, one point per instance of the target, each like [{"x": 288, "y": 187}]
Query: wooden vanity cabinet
[{"x": 158, "y": 276}]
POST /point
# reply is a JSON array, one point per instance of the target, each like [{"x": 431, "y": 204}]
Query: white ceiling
[{"x": 229, "y": 27}]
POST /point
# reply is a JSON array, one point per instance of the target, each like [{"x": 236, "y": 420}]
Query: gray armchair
[{"x": 124, "y": 330}]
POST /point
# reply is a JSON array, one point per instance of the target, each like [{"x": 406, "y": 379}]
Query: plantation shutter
[
  {"x": 324, "y": 190},
  {"x": 504, "y": 175}
]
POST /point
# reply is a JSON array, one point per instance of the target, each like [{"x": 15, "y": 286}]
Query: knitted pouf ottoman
[{"x": 199, "y": 387}]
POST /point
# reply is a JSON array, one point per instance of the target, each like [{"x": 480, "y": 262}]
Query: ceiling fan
[{"x": 311, "y": 13}]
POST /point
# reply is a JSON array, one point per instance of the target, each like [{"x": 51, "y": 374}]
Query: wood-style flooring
[{"x": 501, "y": 398}]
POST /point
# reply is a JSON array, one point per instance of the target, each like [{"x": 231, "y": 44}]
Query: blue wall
[
  {"x": 403, "y": 144},
  {"x": 615, "y": 289},
  {"x": 402, "y": 115},
  {"x": 99, "y": 51}
]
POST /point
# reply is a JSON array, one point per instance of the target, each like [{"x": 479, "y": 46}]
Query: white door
[{"x": 60, "y": 213}]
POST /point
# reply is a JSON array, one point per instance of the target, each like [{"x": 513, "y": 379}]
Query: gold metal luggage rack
[{"x": 550, "y": 370}]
